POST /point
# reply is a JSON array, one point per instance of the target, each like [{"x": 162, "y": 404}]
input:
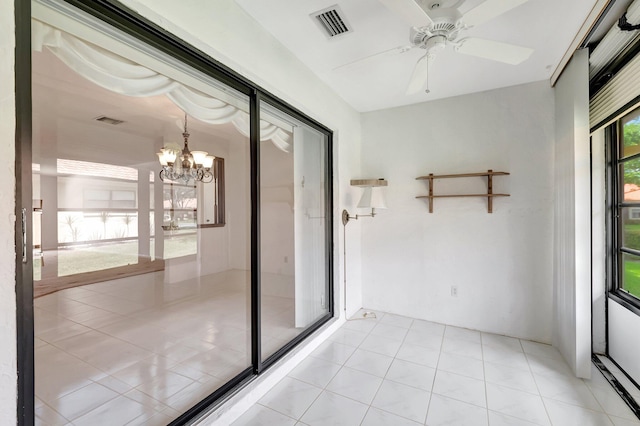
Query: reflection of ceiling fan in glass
[{"x": 436, "y": 24}]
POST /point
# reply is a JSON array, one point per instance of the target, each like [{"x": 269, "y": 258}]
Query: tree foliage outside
[
  {"x": 631, "y": 138},
  {"x": 180, "y": 197},
  {"x": 631, "y": 133},
  {"x": 72, "y": 223}
]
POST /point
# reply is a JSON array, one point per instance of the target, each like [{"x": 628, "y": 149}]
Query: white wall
[
  {"x": 276, "y": 211},
  {"x": 572, "y": 226},
  {"x": 499, "y": 262},
  {"x": 238, "y": 206},
  {"x": 624, "y": 344},
  {"x": 224, "y": 31},
  {"x": 7, "y": 204}
]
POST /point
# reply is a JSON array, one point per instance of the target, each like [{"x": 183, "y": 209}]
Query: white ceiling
[
  {"x": 62, "y": 93},
  {"x": 547, "y": 26},
  {"x": 66, "y": 104}
]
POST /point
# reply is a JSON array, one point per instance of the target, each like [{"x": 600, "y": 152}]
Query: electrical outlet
[
  {"x": 454, "y": 291},
  {"x": 286, "y": 259}
]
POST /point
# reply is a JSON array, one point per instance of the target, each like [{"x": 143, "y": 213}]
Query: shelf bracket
[
  {"x": 490, "y": 191},
  {"x": 430, "y": 192}
]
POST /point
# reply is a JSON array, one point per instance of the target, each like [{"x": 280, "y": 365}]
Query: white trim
[{"x": 584, "y": 30}]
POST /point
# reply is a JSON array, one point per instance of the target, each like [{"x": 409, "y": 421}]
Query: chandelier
[{"x": 185, "y": 165}]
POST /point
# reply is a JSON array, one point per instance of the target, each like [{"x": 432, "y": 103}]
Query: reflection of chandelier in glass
[{"x": 185, "y": 165}]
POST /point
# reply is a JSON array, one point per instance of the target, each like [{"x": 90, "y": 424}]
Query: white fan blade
[
  {"x": 394, "y": 50},
  {"x": 419, "y": 76},
  {"x": 494, "y": 50},
  {"x": 489, "y": 9},
  {"x": 409, "y": 10}
]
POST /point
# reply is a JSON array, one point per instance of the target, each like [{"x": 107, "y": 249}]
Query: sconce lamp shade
[{"x": 372, "y": 198}]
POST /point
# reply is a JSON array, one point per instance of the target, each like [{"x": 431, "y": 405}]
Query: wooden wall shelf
[{"x": 489, "y": 174}]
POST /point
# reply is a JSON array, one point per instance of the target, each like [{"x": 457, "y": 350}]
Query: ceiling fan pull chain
[{"x": 426, "y": 90}]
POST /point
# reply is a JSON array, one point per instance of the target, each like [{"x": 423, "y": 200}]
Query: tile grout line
[
  {"x": 444, "y": 331},
  {"x": 484, "y": 372},
  {"x": 385, "y": 374},
  {"x": 546, "y": 410},
  {"x": 275, "y": 411},
  {"x": 324, "y": 388},
  {"x": 600, "y": 404}
]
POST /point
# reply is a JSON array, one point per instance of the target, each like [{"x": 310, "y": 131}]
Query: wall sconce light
[{"x": 372, "y": 198}]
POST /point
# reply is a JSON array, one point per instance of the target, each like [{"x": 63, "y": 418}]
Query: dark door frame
[
  {"x": 24, "y": 256},
  {"x": 124, "y": 19}
]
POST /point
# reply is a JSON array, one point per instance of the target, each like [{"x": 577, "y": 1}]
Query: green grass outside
[
  {"x": 98, "y": 257},
  {"x": 632, "y": 227},
  {"x": 631, "y": 281}
]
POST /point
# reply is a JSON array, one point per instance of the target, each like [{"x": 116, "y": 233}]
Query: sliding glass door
[
  {"x": 294, "y": 191},
  {"x": 141, "y": 280},
  {"x": 181, "y": 223}
]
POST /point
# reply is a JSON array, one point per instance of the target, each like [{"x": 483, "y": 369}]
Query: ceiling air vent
[
  {"x": 109, "y": 120},
  {"x": 332, "y": 21}
]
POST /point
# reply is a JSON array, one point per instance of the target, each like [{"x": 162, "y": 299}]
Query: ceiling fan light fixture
[{"x": 435, "y": 43}]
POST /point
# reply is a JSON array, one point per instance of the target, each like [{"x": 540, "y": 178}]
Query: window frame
[{"x": 615, "y": 189}]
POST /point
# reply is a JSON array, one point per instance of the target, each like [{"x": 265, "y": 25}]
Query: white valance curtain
[{"x": 118, "y": 74}]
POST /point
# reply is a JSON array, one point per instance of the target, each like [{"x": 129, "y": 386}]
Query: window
[
  {"x": 104, "y": 198},
  {"x": 624, "y": 136}
]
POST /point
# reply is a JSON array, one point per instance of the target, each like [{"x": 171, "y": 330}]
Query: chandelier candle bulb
[
  {"x": 161, "y": 158},
  {"x": 169, "y": 156},
  {"x": 199, "y": 157},
  {"x": 208, "y": 161}
]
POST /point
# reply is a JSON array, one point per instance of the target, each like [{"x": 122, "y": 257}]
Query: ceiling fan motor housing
[
  {"x": 430, "y": 5},
  {"x": 445, "y": 19},
  {"x": 420, "y": 36}
]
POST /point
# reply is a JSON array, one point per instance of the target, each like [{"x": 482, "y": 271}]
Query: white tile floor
[
  {"x": 399, "y": 371},
  {"x": 141, "y": 351}
]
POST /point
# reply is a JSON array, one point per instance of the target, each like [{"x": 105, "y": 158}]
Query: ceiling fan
[{"x": 436, "y": 24}]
